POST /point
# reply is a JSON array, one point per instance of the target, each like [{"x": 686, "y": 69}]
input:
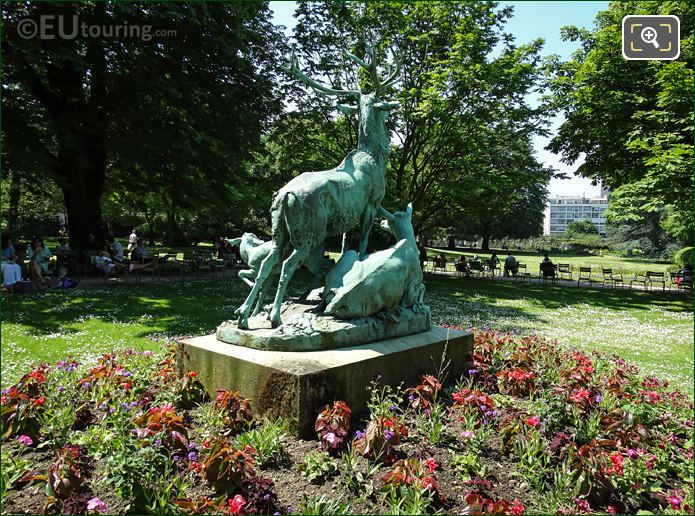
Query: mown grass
[
  {"x": 653, "y": 330},
  {"x": 627, "y": 266}
]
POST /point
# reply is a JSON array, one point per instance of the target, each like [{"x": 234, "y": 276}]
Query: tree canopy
[{"x": 632, "y": 121}]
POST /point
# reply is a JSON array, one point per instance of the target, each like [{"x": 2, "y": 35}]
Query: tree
[
  {"x": 179, "y": 115},
  {"x": 462, "y": 135},
  {"x": 632, "y": 120},
  {"x": 581, "y": 227}
]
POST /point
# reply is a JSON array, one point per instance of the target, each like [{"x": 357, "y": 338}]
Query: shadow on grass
[
  {"x": 556, "y": 296},
  {"x": 196, "y": 308}
]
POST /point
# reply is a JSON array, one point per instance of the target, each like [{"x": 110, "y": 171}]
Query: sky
[{"x": 530, "y": 21}]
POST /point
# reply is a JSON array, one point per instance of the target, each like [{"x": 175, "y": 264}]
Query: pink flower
[
  {"x": 331, "y": 439},
  {"x": 516, "y": 507},
  {"x": 236, "y": 505},
  {"x": 25, "y": 440},
  {"x": 147, "y": 353},
  {"x": 468, "y": 434},
  {"x": 632, "y": 453},
  {"x": 675, "y": 500},
  {"x": 96, "y": 505},
  {"x": 611, "y": 510}
]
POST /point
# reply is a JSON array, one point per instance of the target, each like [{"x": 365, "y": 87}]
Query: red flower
[
  {"x": 516, "y": 507},
  {"x": 37, "y": 376},
  {"x": 651, "y": 397},
  {"x": 429, "y": 484},
  {"x": 431, "y": 464},
  {"x": 675, "y": 500},
  {"x": 533, "y": 421},
  {"x": 236, "y": 505},
  {"x": 192, "y": 374},
  {"x": 39, "y": 401},
  {"x": 580, "y": 395},
  {"x": 127, "y": 385},
  {"x": 611, "y": 510}
]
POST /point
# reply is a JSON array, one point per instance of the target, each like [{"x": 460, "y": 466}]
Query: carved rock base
[{"x": 305, "y": 331}]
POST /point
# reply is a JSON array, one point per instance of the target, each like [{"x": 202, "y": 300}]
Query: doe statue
[
  {"x": 316, "y": 205},
  {"x": 384, "y": 280}
]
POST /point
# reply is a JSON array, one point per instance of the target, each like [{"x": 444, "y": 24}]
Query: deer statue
[
  {"x": 316, "y": 205},
  {"x": 384, "y": 280}
]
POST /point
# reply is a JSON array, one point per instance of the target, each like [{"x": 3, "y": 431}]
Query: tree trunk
[
  {"x": 486, "y": 243},
  {"x": 452, "y": 243},
  {"x": 173, "y": 236},
  {"x": 15, "y": 198}
]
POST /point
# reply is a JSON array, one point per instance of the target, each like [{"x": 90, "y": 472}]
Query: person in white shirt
[{"x": 132, "y": 240}]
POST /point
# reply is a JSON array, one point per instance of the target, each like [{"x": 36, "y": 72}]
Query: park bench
[
  {"x": 585, "y": 275},
  {"x": 612, "y": 278},
  {"x": 682, "y": 281},
  {"x": 564, "y": 270},
  {"x": 650, "y": 279}
]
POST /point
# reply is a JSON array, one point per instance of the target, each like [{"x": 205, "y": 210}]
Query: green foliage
[
  {"x": 318, "y": 465},
  {"x": 581, "y": 227},
  {"x": 683, "y": 257},
  {"x": 468, "y": 465},
  {"x": 638, "y": 140},
  {"x": 266, "y": 439},
  {"x": 322, "y": 505}
]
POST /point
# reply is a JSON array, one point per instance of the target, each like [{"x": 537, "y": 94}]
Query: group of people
[
  {"x": 114, "y": 257},
  {"x": 39, "y": 256},
  {"x": 511, "y": 265},
  {"x": 223, "y": 247}
]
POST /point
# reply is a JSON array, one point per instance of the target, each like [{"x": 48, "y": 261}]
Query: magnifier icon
[{"x": 648, "y": 35}]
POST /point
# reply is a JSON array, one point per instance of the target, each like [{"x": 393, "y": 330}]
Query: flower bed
[{"x": 533, "y": 427}]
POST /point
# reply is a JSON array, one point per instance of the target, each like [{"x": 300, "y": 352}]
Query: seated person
[
  {"x": 63, "y": 245},
  {"x": 440, "y": 261},
  {"x": 494, "y": 260},
  {"x": 40, "y": 253},
  {"x": 423, "y": 255},
  {"x": 107, "y": 264},
  {"x": 11, "y": 271},
  {"x": 685, "y": 275},
  {"x": 36, "y": 271},
  {"x": 117, "y": 250},
  {"x": 547, "y": 268},
  {"x": 139, "y": 251},
  {"x": 462, "y": 265},
  {"x": 511, "y": 266}
]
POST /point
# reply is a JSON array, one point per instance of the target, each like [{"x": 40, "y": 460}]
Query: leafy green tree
[
  {"x": 581, "y": 227},
  {"x": 632, "y": 120},
  {"x": 179, "y": 115}
]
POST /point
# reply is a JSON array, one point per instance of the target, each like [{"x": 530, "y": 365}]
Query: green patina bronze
[{"x": 316, "y": 205}]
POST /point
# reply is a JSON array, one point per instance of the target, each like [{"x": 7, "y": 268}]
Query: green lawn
[
  {"x": 627, "y": 266},
  {"x": 653, "y": 330}
]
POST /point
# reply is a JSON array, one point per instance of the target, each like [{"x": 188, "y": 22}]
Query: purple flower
[
  {"x": 133, "y": 403},
  {"x": 392, "y": 408},
  {"x": 471, "y": 372},
  {"x": 192, "y": 456},
  {"x": 598, "y": 398},
  {"x": 331, "y": 439},
  {"x": 359, "y": 434},
  {"x": 388, "y": 434},
  {"x": 411, "y": 397},
  {"x": 112, "y": 410},
  {"x": 86, "y": 385},
  {"x": 103, "y": 405},
  {"x": 158, "y": 442},
  {"x": 25, "y": 440},
  {"x": 192, "y": 445},
  {"x": 176, "y": 458},
  {"x": 61, "y": 389},
  {"x": 127, "y": 374},
  {"x": 95, "y": 504},
  {"x": 496, "y": 413},
  {"x": 147, "y": 353},
  {"x": 468, "y": 434}
]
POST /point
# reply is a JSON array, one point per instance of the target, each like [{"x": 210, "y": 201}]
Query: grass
[
  {"x": 653, "y": 330},
  {"x": 619, "y": 264}
]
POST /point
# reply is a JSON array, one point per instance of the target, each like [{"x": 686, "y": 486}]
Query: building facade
[{"x": 563, "y": 210}]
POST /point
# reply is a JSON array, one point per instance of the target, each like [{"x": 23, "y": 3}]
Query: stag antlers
[{"x": 371, "y": 67}]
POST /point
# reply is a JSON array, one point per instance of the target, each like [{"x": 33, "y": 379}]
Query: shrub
[
  {"x": 166, "y": 425},
  {"x": 266, "y": 440},
  {"x": 318, "y": 465},
  {"x": 228, "y": 469},
  {"x": 380, "y": 437},
  {"x": 332, "y": 425},
  {"x": 236, "y": 409},
  {"x": 683, "y": 257},
  {"x": 422, "y": 396}
]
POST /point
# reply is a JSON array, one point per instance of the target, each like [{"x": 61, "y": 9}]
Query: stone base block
[{"x": 296, "y": 385}]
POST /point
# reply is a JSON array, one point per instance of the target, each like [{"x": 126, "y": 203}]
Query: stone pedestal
[{"x": 296, "y": 385}]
